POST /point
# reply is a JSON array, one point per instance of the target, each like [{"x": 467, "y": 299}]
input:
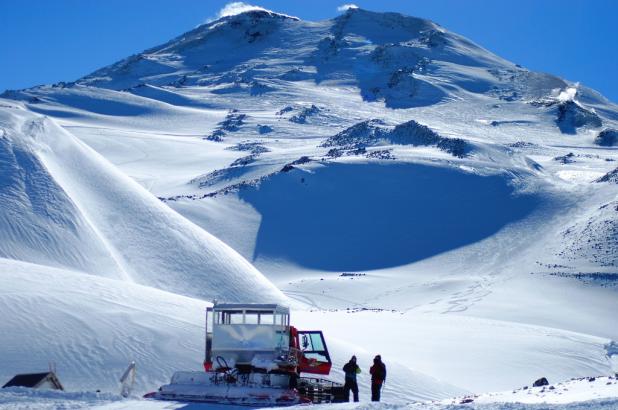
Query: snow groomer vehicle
[{"x": 254, "y": 357}]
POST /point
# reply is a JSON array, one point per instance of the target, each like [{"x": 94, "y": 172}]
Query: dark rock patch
[
  {"x": 541, "y": 382},
  {"x": 607, "y": 138},
  {"x": 572, "y": 116},
  {"x": 373, "y": 132}
]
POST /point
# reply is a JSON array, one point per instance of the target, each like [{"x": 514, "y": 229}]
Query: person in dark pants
[
  {"x": 378, "y": 377},
  {"x": 351, "y": 369}
]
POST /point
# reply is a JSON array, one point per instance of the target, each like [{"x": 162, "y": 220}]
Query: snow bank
[
  {"x": 38, "y": 221},
  {"x": 535, "y": 400},
  {"x": 147, "y": 241},
  {"x": 93, "y": 327},
  {"x": 582, "y": 393}
]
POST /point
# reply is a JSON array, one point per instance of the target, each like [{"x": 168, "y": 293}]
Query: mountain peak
[{"x": 401, "y": 60}]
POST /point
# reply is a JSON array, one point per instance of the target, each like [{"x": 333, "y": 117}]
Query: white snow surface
[
  {"x": 405, "y": 190},
  {"x": 576, "y": 394},
  {"x": 141, "y": 239}
]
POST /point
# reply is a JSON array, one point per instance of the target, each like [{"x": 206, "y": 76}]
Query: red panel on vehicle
[{"x": 314, "y": 357}]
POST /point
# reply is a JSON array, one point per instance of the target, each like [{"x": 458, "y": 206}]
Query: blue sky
[{"x": 44, "y": 41}]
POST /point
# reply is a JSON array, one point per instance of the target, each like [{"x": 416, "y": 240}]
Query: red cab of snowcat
[{"x": 313, "y": 354}]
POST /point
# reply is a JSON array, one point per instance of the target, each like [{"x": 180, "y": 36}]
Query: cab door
[{"x": 314, "y": 357}]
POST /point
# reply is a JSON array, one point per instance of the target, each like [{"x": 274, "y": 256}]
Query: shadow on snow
[{"x": 361, "y": 217}]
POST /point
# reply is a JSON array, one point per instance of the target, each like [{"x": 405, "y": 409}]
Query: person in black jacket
[
  {"x": 351, "y": 369},
  {"x": 378, "y": 376}
]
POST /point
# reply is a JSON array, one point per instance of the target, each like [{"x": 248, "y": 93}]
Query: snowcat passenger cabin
[{"x": 259, "y": 336}]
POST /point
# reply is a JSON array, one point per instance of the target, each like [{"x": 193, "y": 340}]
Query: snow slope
[
  {"x": 40, "y": 223},
  {"x": 142, "y": 240},
  {"x": 92, "y": 327},
  {"x": 406, "y": 190}
]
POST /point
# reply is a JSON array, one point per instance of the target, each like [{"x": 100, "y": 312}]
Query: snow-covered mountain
[{"x": 455, "y": 211}]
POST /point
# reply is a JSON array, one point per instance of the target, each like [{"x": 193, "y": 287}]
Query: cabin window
[
  {"x": 267, "y": 318},
  {"x": 230, "y": 317},
  {"x": 312, "y": 342},
  {"x": 283, "y": 320},
  {"x": 252, "y": 318},
  {"x": 235, "y": 318},
  {"x": 313, "y": 346}
]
